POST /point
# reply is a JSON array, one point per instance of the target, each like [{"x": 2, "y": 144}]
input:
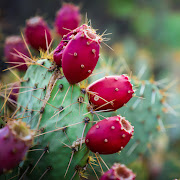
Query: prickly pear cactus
[
  {"x": 57, "y": 112},
  {"x": 15, "y": 140},
  {"x": 145, "y": 112},
  {"x": 67, "y": 17}
]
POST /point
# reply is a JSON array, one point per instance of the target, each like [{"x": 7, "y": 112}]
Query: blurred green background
[{"x": 139, "y": 24}]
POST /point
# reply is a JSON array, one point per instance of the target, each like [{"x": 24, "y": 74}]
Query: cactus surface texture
[{"x": 55, "y": 110}]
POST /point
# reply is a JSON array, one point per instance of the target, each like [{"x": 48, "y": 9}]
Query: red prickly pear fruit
[
  {"x": 80, "y": 56},
  {"x": 14, "y": 44},
  {"x": 109, "y": 135},
  {"x": 58, "y": 52},
  {"x": 118, "y": 172},
  {"x": 14, "y": 92},
  {"x": 35, "y": 31},
  {"x": 110, "y": 93},
  {"x": 57, "y": 56},
  {"x": 68, "y": 17},
  {"x": 15, "y": 140}
]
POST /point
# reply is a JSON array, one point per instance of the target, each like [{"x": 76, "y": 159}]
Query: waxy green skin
[
  {"x": 144, "y": 113},
  {"x": 55, "y": 156}
]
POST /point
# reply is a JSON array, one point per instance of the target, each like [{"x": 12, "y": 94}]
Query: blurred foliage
[
  {"x": 170, "y": 31},
  {"x": 122, "y": 9}
]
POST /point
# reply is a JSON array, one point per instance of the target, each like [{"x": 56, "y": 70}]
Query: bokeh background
[
  {"x": 145, "y": 33},
  {"x": 138, "y": 24}
]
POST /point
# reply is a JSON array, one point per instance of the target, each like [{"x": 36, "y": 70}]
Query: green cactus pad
[
  {"x": 145, "y": 112},
  {"x": 53, "y": 107}
]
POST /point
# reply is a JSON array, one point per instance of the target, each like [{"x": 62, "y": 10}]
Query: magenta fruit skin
[
  {"x": 80, "y": 56},
  {"x": 110, "y": 93},
  {"x": 12, "y": 148},
  {"x": 68, "y": 17},
  {"x": 13, "y": 44},
  {"x": 35, "y": 31},
  {"x": 57, "y": 56},
  {"x": 58, "y": 52},
  {"x": 109, "y": 135},
  {"x": 118, "y": 172}
]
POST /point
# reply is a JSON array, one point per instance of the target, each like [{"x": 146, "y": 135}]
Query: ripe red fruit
[
  {"x": 35, "y": 31},
  {"x": 110, "y": 93},
  {"x": 109, "y": 135},
  {"x": 58, "y": 52},
  {"x": 118, "y": 172},
  {"x": 15, "y": 140},
  {"x": 12, "y": 45},
  {"x": 68, "y": 17},
  {"x": 80, "y": 55}
]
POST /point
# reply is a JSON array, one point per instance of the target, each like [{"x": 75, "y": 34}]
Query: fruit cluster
[{"x": 44, "y": 100}]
